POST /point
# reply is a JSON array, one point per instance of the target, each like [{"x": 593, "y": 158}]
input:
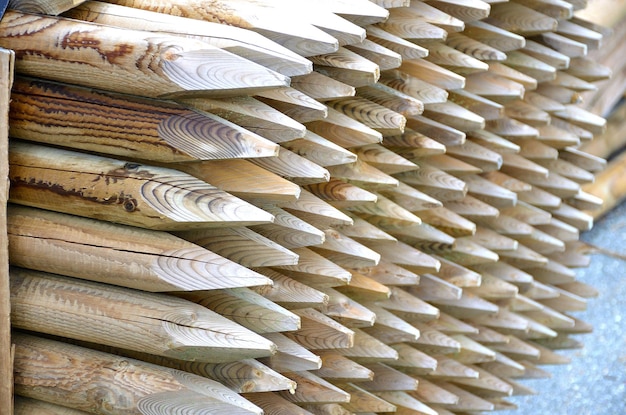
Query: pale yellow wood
[
  {"x": 70, "y": 383},
  {"x": 52, "y": 7},
  {"x": 241, "y": 42},
  {"x": 6, "y": 363},
  {"x": 297, "y": 34},
  {"x": 90, "y": 249},
  {"x": 126, "y": 69},
  {"x": 152, "y": 323},
  {"x": 123, "y": 192}
]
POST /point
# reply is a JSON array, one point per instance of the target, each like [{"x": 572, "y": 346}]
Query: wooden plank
[{"x": 6, "y": 355}]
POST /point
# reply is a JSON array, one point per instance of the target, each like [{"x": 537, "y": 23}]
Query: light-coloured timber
[
  {"x": 520, "y": 19},
  {"x": 385, "y": 58},
  {"x": 496, "y": 37},
  {"x": 29, "y": 406},
  {"x": 251, "y": 183},
  {"x": 341, "y": 194},
  {"x": 406, "y": 402},
  {"x": 430, "y": 393},
  {"x": 319, "y": 331},
  {"x": 413, "y": 86},
  {"x": 468, "y": 306},
  {"x": 408, "y": 306},
  {"x": 326, "y": 409},
  {"x": 290, "y": 355},
  {"x": 293, "y": 103},
  {"x": 313, "y": 389},
  {"x": 432, "y": 73},
  {"x": 244, "y": 43},
  {"x": 412, "y": 361},
  {"x": 289, "y": 293},
  {"x": 274, "y": 404},
  {"x": 481, "y": 106},
  {"x": 470, "y": 207},
  {"x": 364, "y": 175},
  {"x": 410, "y": 198},
  {"x": 390, "y": 274},
  {"x": 449, "y": 369},
  {"x": 127, "y": 193},
  {"x": 407, "y": 25},
  {"x": 465, "y": 10},
  {"x": 406, "y": 49},
  {"x": 467, "y": 401},
  {"x": 493, "y": 141},
  {"x": 434, "y": 342},
  {"x": 589, "y": 37},
  {"x": 292, "y": 167},
  {"x": 564, "y": 45},
  {"x": 344, "y": 131},
  {"x": 89, "y": 249},
  {"x": 436, "y": 16},
  {"x": 297, "y": 35},
  {"x": 363, "y": 289},
  {"x": 385, "y": 211},
  {"x": 321, "y": 87},
  {"x": 450, "y": 165},
  {"x": 371, "y": 114},
  {"x": 247, "y": 308},
  {"x": 477, "y": 155},
  {"x": 387, "y": 378},
  {"x": 289, "y": 230},
  {"x": 319, "y": 150},
  {"x": 589, "y": 70},
  {"x": 126, "y": 68},
  {"x": 6, "y": 363},
  {"x": 546, "y": 54},
  {"x": 315, "y": 270},
  {"x": 492, "y": 240},
  {"x": 151, "y": 323},
  {"x": 251, "y": 114},
  {"x": 241, "y": 245},
  {"x": 317, "y": 212},
  {"x": 367, "y": 349},
  {"x": 392, "y": 99},
  {"x": 494, "y": 87},
  {"x": 566, "y": 80},
  {"x": 246, "y": 375},
  {"x": 360, "y": 12},
  {"x": 558, "y": 9},
  {"x": 52, "y": 7},
  {"x": 435, "y": 183},
  {"x": 347, "y": 67},
  {"x": 339, "y": 369},
  {"x": 68, "y": 383},
  {"x": 527, "y": 113},
  {"x": 124, "y": 126},
  {"x": 345, "y": 251},
  {"x": 452, "y": 59},
  {"x": 512, "y": 74},
  {"x": 383, "y": 159},
  {"x": 389, "y": 328},
  {"x": 448, "y": 221},
  {"x": 362, "y": 400},
  {"x": 455, "y": 116},
  {"x": 405, "y": 256},
  {"x": 346, "y": 310}
]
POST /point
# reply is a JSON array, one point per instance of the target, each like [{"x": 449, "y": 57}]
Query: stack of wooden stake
[{"x": 339, "y": 207}]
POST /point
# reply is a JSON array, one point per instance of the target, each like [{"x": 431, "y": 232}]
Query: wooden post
[{"x": 6, "y": 356}]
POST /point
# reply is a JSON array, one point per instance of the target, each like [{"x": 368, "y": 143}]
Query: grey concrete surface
[{"x": 595, "y": 381}]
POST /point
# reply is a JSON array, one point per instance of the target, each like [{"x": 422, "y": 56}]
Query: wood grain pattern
[
  {"x": 244, "y": 43},
  {"x": 127, "y": 193},
  {"x": 152, "y": 323},
  {"x": 69, "y": 375},
  {"x": 128, "y": 61},
  {"x": 89, "y": 249},
  {"x": 123, "y": 126}
]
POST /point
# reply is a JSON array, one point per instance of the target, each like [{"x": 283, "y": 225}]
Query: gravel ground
[{"x": 595, "y": 381}]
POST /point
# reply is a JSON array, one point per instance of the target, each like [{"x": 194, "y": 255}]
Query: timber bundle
[{"x": 324, "y": 207}]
